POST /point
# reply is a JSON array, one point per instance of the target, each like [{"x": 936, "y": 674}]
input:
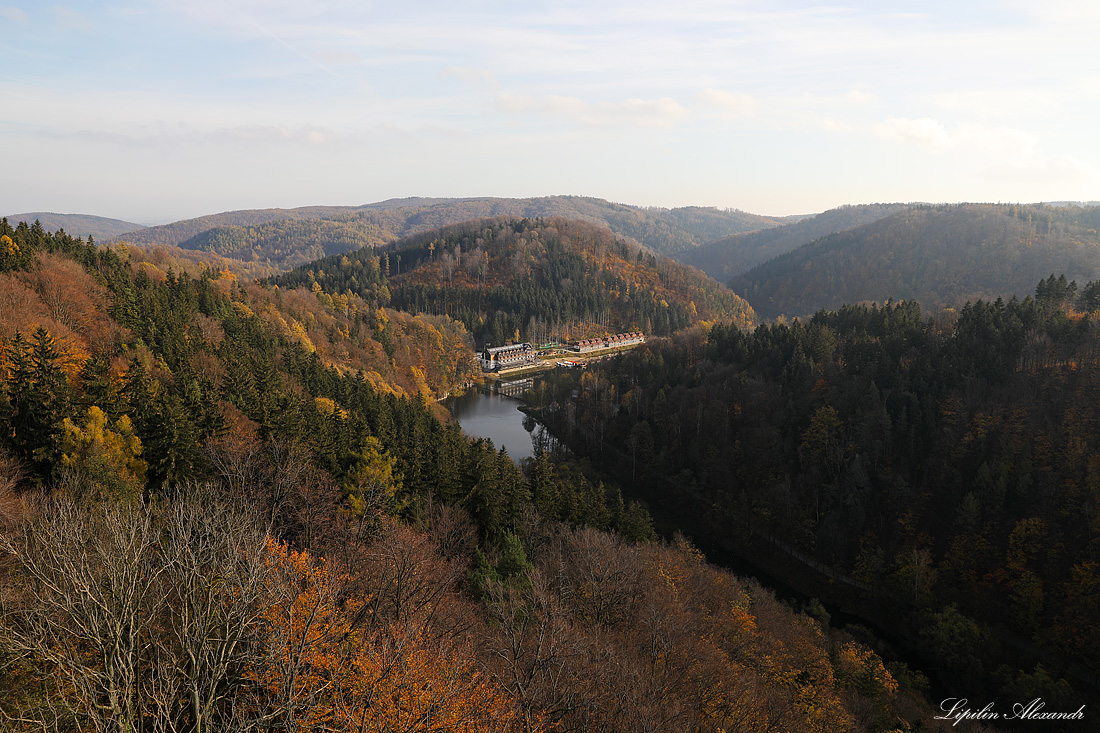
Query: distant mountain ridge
[
  {"x": 937, "y": 255},
  {"x": 730, "y": 256},
  {"x": 289, "y": 237},
  {"x": 77, "y": 225}
]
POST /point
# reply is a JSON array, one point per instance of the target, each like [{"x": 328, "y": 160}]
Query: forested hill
[
  {"x": 205, "y": 525},
  {"x": 529, "y": 279},
  {"x": 937, "y": 255},
  {"x": 78, "y": 225},
  {"x": 948, "y": 466},
  {"x": 284, "y": 238},
  {"x": 733, "y": 255},
  {"x": 286, "y": 243}
]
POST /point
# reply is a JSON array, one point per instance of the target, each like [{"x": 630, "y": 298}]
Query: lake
[{"x": 495, "y": 415}]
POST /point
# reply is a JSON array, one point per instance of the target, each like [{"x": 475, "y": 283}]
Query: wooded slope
[
  {"x": 285, "y": 238},
  {"x": 529, "y": 279},
  {"x": 206, "y": 523},
  {"x": 947, "y": 467},
  {"x": 78, "y": 225},
  {"x": 730, "y": 256},
  {"x": 938, "y": 255}
]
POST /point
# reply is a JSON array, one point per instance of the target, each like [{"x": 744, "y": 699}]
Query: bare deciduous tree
[
  {"x": 215, "y": 592},
  {"x": 138, "y": 616},
  {"x": 83, "y": 604}
]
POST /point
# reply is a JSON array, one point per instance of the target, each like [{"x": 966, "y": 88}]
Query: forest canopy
[
  {"x": 210, "y": 518},
  {"x": 936, "y": 472},
  {"x": 531, "y": 279}
]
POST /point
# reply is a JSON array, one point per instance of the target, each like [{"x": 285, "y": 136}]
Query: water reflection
[
  {"x": 496, "y": 415},
  {"x": 514, "y": 388}
]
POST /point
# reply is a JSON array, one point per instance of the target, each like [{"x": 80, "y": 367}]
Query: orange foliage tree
[{"x": 323, "y": 671}]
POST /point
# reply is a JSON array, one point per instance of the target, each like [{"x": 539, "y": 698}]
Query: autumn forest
[{"x": 854, "y": 476}]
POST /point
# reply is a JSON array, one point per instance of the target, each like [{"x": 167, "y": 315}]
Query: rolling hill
[
  {"x": 938, "y": 255},
  {"x": 285, "y": 238},
  {"x": 730, "y": 256},
  {"x": 77, "y": 225},
  {"x": 528, "y": 279}
]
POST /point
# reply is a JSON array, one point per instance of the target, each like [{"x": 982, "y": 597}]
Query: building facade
[
  {"x": 495, "y": 358},
  {"x": 610, "y": 342}
]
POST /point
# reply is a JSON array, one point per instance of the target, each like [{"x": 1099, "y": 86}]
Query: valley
[
  {"x": 817, "y": 418},
  {"x": 555, "y": 367}
]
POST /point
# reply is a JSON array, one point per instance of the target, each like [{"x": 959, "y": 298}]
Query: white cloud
[
  {"x": 662, "y": 112},
  {"x": 263, "y": 134},
  {"x": 828, "y": 123},
  {"x": 480, "y": 79},
  {"x": 924, "y": 131},
  {"x": 1056, "y": 12},
  {"x": 1015, "y": 155},
  {"x": 998, "y": 103},
  {"x": 993, "y": 152},
  {"x": 1061, "y": 169},
  {"x": 14, "y": 14},
  {"x": 71, "y": 18},
  {"x": 1005, "y": 141},
  {"x": 1086, "y": 84},
  {"x": 969, "y": 137},
  {"x": 732, "y": 105},
  {"x": 857, "y": 96}
]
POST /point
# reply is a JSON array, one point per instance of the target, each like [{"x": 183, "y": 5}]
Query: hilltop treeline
[
  {"x": 82, "y": 225},
  {"x": 287, "y": 243},
  {"x": 728, "y": 256},
  {"x": 945, "y": 467},
  {"x": 937, "y": 255},
  {"x": 284, "y": 238},
  {"x": 529, "y": 279}
]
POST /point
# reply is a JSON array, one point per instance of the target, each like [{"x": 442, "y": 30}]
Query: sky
[{"x": 158, "y": 110}]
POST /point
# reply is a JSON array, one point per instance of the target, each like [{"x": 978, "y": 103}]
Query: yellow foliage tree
[
  {"x": 371, "y": 486},
  {"x": 9, "y": 252},
  {"x": 103, "y": 461},
  {"x": 859, "y": 667}
]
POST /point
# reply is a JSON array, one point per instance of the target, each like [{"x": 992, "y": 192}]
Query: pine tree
[
  {"x": 543, "y": 486},
  {"x": 40, "y": 398},
  {"x": 99, "y": 388}
]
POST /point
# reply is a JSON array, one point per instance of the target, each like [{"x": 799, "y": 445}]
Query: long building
[
  {"x": 590, "y": 345},
  {"x": 495, "y": 358},
  {"x": 610, "y": 342}
]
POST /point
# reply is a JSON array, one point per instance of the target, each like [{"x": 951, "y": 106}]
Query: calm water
[{"x": 496, "y": 417}]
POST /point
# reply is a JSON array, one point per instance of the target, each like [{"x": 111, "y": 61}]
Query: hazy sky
[{"x": 153, "y": 110}]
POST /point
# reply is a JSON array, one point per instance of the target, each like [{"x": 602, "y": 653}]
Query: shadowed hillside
[
  {"x": 725, "y": 258},
  {"x": 937, "y": 255}
]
